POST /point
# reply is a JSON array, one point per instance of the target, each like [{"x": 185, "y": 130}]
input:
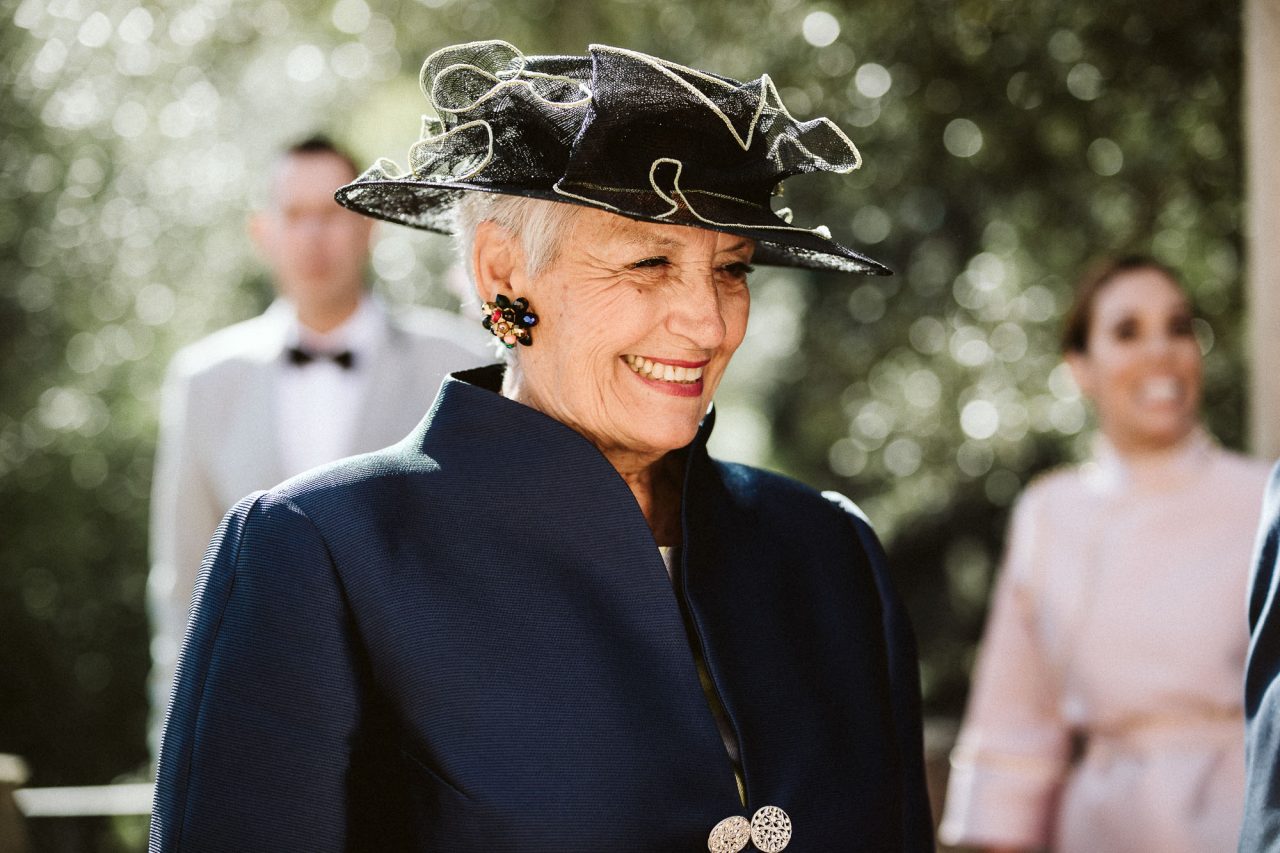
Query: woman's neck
[
  {"x": 1140, "y": 452},
  {"x": 1148, "y": 466},
  {"x": 656, "y": 479},
  {"x": 657, "y": 486}
]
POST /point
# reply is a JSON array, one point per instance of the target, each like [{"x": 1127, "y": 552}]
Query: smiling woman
[
  {"x": 639, "y": 323},
  {"x": 1132, "y": 349},
  {"x": 1117, "y": 621},
  {"x": 548, "y": 620}
]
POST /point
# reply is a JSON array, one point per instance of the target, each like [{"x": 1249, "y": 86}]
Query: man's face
[{"x": 316, "y": 249}]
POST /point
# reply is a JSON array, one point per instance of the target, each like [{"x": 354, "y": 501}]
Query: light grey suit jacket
[{"x": 219, "y": 441}]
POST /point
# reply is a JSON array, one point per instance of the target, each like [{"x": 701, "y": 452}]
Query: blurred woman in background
[{"x": 1106, "y": 705}]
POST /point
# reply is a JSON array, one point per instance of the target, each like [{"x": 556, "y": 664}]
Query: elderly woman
[{"x": 547, "y": 620}]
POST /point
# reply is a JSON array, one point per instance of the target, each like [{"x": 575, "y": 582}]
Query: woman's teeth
[
  {"x": 663, "y": 372},
  {"x": 1161, "y": 390}
]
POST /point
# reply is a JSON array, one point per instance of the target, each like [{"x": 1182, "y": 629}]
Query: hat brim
[{"x": 428, "y": 205}]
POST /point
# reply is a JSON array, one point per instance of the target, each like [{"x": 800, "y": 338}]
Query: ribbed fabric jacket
[
  {"x": 1260, "y": 832},
  {"x": 469, "y": 642}
]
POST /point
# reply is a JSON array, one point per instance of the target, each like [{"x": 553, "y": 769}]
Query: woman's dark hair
[{"x": 1075, "y": 329}]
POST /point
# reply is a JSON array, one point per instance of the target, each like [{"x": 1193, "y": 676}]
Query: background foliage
[{"x": 1006, "y": 142}]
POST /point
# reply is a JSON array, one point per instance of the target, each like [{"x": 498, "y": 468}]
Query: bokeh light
[{"x": 820, "y": 28}]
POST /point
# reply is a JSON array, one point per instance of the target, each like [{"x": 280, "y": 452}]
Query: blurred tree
[
  {"x": 1006, "y": 142},
  {"x": 1011, "y": 142}
]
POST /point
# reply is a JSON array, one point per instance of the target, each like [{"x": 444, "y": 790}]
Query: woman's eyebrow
[{"x": 651, "y": 241}]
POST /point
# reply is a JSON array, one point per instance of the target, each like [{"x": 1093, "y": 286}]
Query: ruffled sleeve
[{"x": 1014, "y": 746}]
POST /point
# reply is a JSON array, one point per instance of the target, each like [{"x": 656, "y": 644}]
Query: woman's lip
[
  {"x": 675, "y": 362},
  {"x": 674, "y": 389}
]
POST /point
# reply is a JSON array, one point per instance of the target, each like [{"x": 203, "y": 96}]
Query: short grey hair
[{"x": 538, "y": 225}]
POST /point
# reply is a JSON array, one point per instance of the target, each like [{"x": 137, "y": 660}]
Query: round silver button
[
  {"x": 729, "y": 835},
  {"x": 770, "y": 829}
]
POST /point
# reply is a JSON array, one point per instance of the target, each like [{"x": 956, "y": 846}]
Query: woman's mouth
[
  {"x": 680, "y": 379},
  {"x": 1160, "y": 390},
  {"x": 663, "y": 371}
]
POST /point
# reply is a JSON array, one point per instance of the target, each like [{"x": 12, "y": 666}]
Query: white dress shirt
[{"x": 320, "y": 401}]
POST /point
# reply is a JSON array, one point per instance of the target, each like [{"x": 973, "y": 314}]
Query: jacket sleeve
[
  {"x": 184, "y": 514},
  {"x": 1261, "y": 828},
  {"x": 904, "y": 686},
  {"x": 1013, "y": 748},
  {"x": 267, "y": 704}
]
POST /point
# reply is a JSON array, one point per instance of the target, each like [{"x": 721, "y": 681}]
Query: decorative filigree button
[
  {"x": 729, "y": 835},
  {"x": 770, "y": 829}
]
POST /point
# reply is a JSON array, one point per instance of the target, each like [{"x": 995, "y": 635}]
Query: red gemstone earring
[{"x": 509, "y": 321}]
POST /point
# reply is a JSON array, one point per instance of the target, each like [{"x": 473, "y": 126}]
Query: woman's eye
[
  {"x": 739, "y": 269},
  {"x": 659, "y": 261},
  {"x": 1182, "y": 327},
  {"x": 1126, "y": 330}
]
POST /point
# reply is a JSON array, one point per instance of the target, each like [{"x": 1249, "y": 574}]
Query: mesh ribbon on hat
[
  {"x": 617, "y": 130},
  {"x": 720, "y": 147},
  {"x": 496, "y": 115}
]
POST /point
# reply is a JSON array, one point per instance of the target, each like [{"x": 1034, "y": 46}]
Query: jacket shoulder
[
  {"x": 347, "y": 478},
  {"x": 434, "y": 327},
  {"x": 779, "y": 496},
  {"x": 236, "y": 345},
  {"x": 270, "y": 637}
]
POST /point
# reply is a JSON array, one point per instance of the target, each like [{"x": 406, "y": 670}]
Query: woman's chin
[
  {"x": 1162, "y": 436},
  {"x": 663, "y": 435}
]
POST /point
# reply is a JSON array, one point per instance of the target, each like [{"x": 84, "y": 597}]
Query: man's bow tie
[{"x": 301, "y": 357}]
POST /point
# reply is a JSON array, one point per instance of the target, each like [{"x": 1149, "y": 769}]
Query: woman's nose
[
  {"x": 1161, "y": 347},
  {"x": 696, "y": 312}
]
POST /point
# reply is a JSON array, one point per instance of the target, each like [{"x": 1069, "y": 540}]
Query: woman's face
[
  {"x": 1142, "y": 365},
  {"x": 637, "y": 323}
]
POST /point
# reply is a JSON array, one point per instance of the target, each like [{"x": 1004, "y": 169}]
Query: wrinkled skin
[{"x": 619, "y": 289}]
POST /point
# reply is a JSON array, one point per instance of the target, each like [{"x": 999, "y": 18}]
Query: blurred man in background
[{"x": 325, "y": 372}]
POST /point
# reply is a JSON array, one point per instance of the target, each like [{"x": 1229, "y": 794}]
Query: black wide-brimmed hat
[{"x": 617, "y": 130}]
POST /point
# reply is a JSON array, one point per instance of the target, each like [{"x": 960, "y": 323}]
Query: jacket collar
[{"x": 471, "y": 402}]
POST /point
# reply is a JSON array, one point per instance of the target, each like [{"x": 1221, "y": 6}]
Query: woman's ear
[
  {"x": 498, "y": 262},
  {"x": 1081, "y": 371}
]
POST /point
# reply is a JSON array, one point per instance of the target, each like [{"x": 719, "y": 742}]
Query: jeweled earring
[{"x": 510, "y": 321}]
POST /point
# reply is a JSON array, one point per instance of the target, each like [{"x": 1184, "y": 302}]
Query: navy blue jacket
[
  {"x": 1261, "y": 831},
  {"x": 469, "y": 642}
]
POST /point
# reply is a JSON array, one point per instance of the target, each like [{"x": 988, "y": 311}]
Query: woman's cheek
[{"x": 739, "y": 317}]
